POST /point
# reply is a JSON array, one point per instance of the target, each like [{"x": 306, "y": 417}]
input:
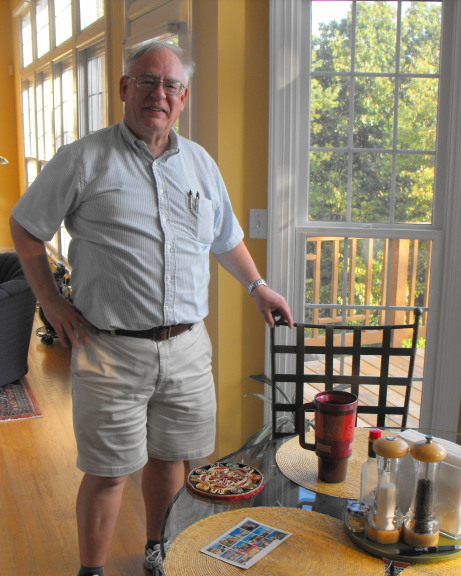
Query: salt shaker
[
  {"x": 384, "y": 520},
  {"x": 421, "y": 524}
]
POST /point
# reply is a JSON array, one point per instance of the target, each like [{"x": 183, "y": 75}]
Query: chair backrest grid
[{"x": 336, "y": 347}]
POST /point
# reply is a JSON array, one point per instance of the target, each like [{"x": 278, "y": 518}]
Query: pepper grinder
[
  {"x": 384, "y": 521},
  {"x": 421, "y": 524}
]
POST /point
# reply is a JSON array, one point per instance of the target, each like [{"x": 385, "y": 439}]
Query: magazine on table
[{"x": 246, "y": 543}]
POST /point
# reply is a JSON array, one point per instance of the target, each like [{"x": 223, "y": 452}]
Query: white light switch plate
[{"x": 258, "y": 223}]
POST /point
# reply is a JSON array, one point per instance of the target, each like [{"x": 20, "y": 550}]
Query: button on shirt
[{"x": 142, "y": 228}]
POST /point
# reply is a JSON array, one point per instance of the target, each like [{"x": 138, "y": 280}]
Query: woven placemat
[
  {"x": 318, "y": 545},
  {"x": 300, "y": 465},
  {"x": 450, "y": 568}
]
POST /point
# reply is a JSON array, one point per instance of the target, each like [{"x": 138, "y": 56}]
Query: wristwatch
[{"x": 255, "y": 284}]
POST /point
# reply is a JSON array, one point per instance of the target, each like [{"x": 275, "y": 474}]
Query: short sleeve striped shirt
[{"x": 142, "y": 228}]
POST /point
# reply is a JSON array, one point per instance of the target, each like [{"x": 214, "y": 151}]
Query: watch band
[{"x": 255, "y": 284}]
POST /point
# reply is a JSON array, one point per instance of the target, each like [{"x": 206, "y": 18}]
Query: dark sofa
[{"x": 17, "y": 309}]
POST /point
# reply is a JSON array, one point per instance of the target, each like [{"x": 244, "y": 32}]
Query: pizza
[{"x": 227, "y": 480}]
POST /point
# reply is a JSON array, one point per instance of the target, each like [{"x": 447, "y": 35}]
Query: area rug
[{"x": 17, "y": 402}]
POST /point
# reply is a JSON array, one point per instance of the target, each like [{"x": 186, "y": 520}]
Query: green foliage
[
  {"x": 421, "y": 343},
  {"x": 386, "y": 116}
]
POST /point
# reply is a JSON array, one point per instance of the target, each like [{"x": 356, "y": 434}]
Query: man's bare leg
[
  {"x": 160, "y": 482},
  {"x": 98, "y": 505}
]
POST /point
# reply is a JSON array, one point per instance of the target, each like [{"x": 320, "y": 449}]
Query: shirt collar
[{"x": 139, "y": 145}]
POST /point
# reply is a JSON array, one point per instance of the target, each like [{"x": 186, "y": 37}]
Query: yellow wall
[
  {"x": 231, "y": 49},
  {"x": 231, "y": 110},
  {"x": 9, "y": 175}
]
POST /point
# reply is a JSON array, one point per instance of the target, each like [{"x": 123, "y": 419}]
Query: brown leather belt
[{"x": 157, "y": 333}]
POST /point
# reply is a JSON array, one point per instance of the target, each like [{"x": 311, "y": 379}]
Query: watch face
[{"x": 226, "y": 480}]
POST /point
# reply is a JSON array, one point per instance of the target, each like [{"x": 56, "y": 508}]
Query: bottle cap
[
  {"x": 428, "y": 451},
  {"x": 375, "y": 433},
  {"x": 390, "y": 447}
]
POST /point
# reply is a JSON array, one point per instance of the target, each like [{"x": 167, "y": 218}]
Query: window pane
[
  {"x": 26, "y": 37},
  {"x": 90, "y": 11},
  {"x": 96, "y": 93},
  {"x": 328, "y": 196},
  {"x": 371, "y": 187},
  {"x": 28, "y": 116},
  {"x": 414, "y": 192},
  {"x": 57, "y": 112},
  {"x": 330, "y": 111},
  {"x": 420, "y": 45},
  {"x": 64, "y": 106},
  {"x": 31, "y": 171},
  {"x": 44, "y": 119},
  {"x": 43, "y": 27},
  {"x": 64, "y": 241},
  {"x": 40, "y": 126},
  {"x": 62, "y": 20},
  {"x": 418, "y": 98},
  {"x": 331, "y": 36},
  {"x": 375, "y": 46},
  {"x": 68, "y": 106},
  {"x": 374, "y": 112}
]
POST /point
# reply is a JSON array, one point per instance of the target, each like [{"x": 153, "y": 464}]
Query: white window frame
[{"x": 289, "y": 116}]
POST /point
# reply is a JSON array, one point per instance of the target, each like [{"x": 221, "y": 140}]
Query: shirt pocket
[
  {"x": 201, "y": 219},
  {"x": 192, "y": 217}
]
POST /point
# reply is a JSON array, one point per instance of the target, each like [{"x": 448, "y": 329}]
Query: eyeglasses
[{"x": 148, "y": 83}]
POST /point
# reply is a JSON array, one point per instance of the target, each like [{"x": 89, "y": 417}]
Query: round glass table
[{"x": 188, "y": 508}]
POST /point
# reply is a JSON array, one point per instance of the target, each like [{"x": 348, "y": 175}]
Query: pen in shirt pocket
[{"x": 193, "y": 202}]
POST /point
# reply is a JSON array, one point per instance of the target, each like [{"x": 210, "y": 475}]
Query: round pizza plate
[{"x": 225, "y": 481}]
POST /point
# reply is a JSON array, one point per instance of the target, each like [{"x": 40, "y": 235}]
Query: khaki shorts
[{"x": 134, "y": 398}]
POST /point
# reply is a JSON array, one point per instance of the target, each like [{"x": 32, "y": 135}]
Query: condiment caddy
[{"x": 375, "y": 521}]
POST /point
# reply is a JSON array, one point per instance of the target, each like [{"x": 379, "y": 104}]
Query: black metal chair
[{"x": 347, "y": 355}]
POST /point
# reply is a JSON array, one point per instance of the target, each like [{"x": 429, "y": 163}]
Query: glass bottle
[
  {"x": 421, "y": 524},
  {"x": 384, "y": 520},
  {"x": 369, "y": 473}
]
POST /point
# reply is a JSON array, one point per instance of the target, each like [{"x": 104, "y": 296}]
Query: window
[
  {"x": 44, "y": 118},
  {"x": 30, "y": 142},
  {"x": 93, "y": 92},
  {"x": 357, "y": 217},
  {"x": 62, "y": 20},
  {"x": 43, "y": 27},
  {"x": 57, "y": 79},
  {"x": 64, "y": 109},
  {"x": 90, "y": 11},
  {"x": 26, "y": 35},
  {"x": 374, "y": 94}
]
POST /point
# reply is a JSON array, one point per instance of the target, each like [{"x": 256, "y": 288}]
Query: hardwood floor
[{"x": 39, "y": 483}]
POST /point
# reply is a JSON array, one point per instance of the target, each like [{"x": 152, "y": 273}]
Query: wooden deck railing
[{"x": 383, "y": 281}]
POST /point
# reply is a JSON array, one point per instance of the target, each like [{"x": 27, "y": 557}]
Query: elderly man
[{"x": 145, "y": 207}]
